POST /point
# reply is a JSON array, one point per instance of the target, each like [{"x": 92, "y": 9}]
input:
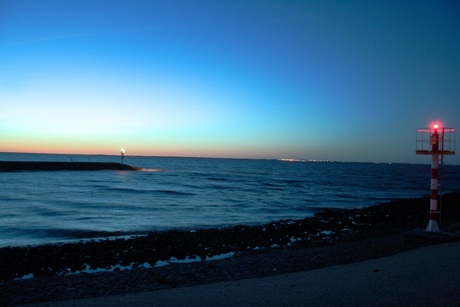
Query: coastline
[
  {"x": 12, "y": 166},
  {"x": 329, "y": 238}
]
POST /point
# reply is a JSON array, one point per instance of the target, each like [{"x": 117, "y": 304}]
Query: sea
[{"x": 175, "y": 193}]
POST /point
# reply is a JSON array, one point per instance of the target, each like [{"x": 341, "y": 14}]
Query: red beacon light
[
  {"x": 435, "y": 139},
  {"x": 436, "y": 142}
]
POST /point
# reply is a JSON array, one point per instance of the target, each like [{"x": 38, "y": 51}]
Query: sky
[{"x": 326, "y": 80}]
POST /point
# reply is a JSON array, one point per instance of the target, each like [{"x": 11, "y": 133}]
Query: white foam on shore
[
  {"x": 112, "y": 268},
  {"x": 118, "y": 267},
  {"x": 193, "y": 259},
  {"x": 27, "y": 276},
  {"x": 221, "y": 256}
]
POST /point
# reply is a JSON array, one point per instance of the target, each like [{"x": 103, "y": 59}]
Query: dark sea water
[{"x": 190, "y": 193}]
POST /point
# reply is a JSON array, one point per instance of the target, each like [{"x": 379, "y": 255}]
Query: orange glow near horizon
[{"x": 68, "y": 147}]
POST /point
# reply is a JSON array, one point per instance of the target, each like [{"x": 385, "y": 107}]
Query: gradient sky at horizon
[{"x": 331, "y": 80}]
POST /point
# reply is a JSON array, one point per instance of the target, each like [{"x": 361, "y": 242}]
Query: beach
[
  {"x": 331, "y": 237},
  {"x": 403, "y": 279}
]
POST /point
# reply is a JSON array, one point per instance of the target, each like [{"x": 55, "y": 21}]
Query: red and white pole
[{"x": 434, "y": 211}]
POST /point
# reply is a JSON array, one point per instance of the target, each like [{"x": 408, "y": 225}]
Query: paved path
[{"x": 428, "y": 276}]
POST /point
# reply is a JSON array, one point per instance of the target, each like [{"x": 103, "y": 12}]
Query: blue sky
[{"x": 333, "y": 80}]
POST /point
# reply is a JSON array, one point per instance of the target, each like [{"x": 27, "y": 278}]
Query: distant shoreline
[{"x": 12, "y": 166}]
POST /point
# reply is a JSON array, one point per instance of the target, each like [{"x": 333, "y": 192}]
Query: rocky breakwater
[
  {"x": 11, "y": 166},
  {"x": 149, "y": 250}
]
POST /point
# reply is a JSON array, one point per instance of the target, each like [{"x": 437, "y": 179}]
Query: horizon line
[{"x": 292, "y": 160}]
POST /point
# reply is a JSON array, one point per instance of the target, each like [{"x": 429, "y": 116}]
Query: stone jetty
[{"x": 11, "y": 166}]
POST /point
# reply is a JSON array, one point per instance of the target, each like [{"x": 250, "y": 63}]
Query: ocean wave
[
  {"x": 24, "y": 236},
  {"x": 173, "y": 192},
  {"x": 152, "y": 170},
  {"x": 127, "y": 190},
  {"x": 148, "y": 191},
  {"x": 61, "y": 233}
]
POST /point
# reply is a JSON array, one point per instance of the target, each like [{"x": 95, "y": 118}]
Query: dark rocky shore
[
  {"x": 330, "y": 237},
  {"x": 12, "y": 166}
]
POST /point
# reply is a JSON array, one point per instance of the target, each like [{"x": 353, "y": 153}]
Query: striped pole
[{"x": 434, "y": 211}]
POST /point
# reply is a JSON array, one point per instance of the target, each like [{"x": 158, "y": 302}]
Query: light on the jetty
[
  {"x": 122, "y": 152},
  {"x": 435, "y": 141}
]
